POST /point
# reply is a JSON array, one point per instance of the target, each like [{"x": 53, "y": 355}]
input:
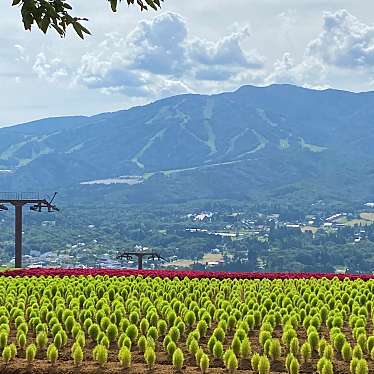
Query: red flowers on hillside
[{"x": 175, "y": 273}]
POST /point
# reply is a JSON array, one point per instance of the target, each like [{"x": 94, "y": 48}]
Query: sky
[{"x": 194, "y": 46}]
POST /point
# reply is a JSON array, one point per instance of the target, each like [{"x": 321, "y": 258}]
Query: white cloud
[
  {"x": 310, "y": 72},
  {"x": 50, "y": 70},
  {"x": 158, "y": 57},
  {"x": 344, "y": 42}
]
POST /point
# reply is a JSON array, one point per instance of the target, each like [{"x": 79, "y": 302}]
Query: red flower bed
[{"x": 175, "y": 273}]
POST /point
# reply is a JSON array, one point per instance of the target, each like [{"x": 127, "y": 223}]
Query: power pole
[
  {"x": 19, "y": 200},
  {"x": 139, "y": 255}
]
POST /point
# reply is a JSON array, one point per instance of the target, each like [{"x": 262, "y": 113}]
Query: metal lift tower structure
[
  {"x": 19, "y": 200},
  {"x": 140, "y": 255}
]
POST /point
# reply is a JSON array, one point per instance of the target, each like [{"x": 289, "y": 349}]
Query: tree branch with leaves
[{"x": 56, "y": 14}]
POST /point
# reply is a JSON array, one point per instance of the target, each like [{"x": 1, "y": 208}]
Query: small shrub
[
  {"x": 171, "y": 347},
  {"x": 232, "y": 363},
  {"x": 346, "y": 352},
  {"x": 357, "y": 352},
  {"x": 313, "y": 340},
  {"x": 22, "y": 341},
  {"x": 218, "y": 350},
  {"x": 144, "y": 326},
  {"x": 328, "y": 352},
  {"x": 264, "y": 365},
  {"x": 7, "y": 354},
  {"x": 328, "y": 368},
  {"x": 30, "y": 353},
  {"x": 362, "y": 367},
  {"x": 101, "y": 355},
  {"x": 150, "y": 357},
  {"x": 132, "y": 332},
  {"x": 288, "y": 361},
  {"x": 255, "y": 361},
  {"x": 275, "y": 350},
  {"x": 306, "y": 352},
  {"x": 162, "y": 327},
  {"x": 294, "y": 366},
  {"x": 178, "y": 359},
  {"x": 124, "y": 357},
  {"x": 142, "y": 344},
  {"x": 112, "y": 332},
  {"x": 204, "y": 363},
  {"x": 353, "y": 365},
  {"x": 52, "y": 354},
  {"x": 235, "y": 345},
  {"x": 77, "y": 355},
  {"x": 174, "y": 334},
  {"x": 295, "y": 346},
  {"x": 245, "y": 349}
]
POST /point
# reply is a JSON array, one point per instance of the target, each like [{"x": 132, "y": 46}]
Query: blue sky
[{"x": 191, "y": 46}]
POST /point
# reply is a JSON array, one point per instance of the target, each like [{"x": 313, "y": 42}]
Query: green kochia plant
[
  {"x": 255, "y": 361},
  {"x": 52, "y": 354},
  {"x": 204, "y": 363},
  {"x": 7, "y": 354},
  {"x": 124, "y": 357},
  {"x": 245, "y": 349},
  {"x": 218, "y": 350},
  {"x": 294, "y": 366},
  {"x": 77, "y": 355},
  {"x": 150, "y": 357},
  {"x": 100, "y": 354},
  {"x": 178, "y": 359},
  {"x": 30, "y": 353},
  {"x": 263, "y": 365},
  {"x": 306, "y": 352},
  {"x": 232, "y": 363}
]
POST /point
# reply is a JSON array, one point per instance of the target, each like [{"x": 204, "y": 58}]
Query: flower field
[{"x": 67, "y": 321}]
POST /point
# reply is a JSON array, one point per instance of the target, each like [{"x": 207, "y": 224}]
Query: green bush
[
  {"x": 124, "y": 357},
  {"x": 235, "y": 345},
  {"x": 295, "y": 346},
  {"x": 232, "y": 363},
  {"x": 171, "y": 347},
  {"x": 346, "y": 352},
  {"x": 357, "y": 352},
  {"x": 112, "y": 332},
  {"x": 294, "y": 366},
  {"x": 142, "y": 344},
  {"x": 204, "y": 363},
  {"x": 218, "y": 350},
  {"x": 77, "y": 355},
  {"x": 306, "y": 352},
  {"x": 313, "y": 340},
  {"x": 30, "y": 353},
  {"x": 263, "y": 365},
  {"x": 100, "y": 355},
  {"x": 22, "y": 341},
  {"x": 245, "y": 349},
  {"x": 328, "y": 368},
  {"x": 178, "y": 359},
  {"x": 290, "y": 357},
  {"x": 52, "y": 354},
  {"x": 339, "y": 341},
  {"x": 275, "y": 349},
  {"x": 255, "y": 361},
  {"x": 362, "y": 367},
  {"x": 150, "y": 357},
  {"x": 7, "y": 354},
  {"x": 144, "y": 326}
]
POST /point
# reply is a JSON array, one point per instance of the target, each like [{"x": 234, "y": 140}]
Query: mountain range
[{"x": 254, "y": 144}]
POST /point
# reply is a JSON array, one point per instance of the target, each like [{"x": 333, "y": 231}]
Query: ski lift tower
[
  {"x": 140, "y": 255},
  {"x": 19, "y": 200}
]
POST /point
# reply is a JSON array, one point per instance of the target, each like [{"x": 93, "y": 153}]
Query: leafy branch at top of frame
[{"x": 56, "y": 14}]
